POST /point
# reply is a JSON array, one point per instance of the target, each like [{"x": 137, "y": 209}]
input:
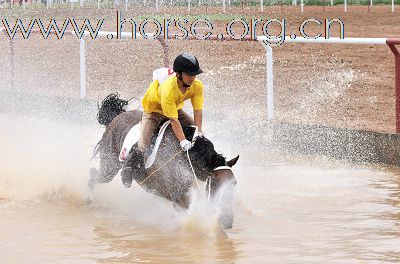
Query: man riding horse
[{"x": 164, "y": 101}]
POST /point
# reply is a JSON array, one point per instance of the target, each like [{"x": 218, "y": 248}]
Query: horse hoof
[{"x": 226, "y": 222}]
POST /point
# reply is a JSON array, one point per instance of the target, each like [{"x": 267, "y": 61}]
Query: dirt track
[{"x": 343, "y": 86}]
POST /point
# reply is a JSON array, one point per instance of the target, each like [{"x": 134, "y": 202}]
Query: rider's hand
[
  {"x": 200, "y": 134},
  {"x": 185, "y": 145}
]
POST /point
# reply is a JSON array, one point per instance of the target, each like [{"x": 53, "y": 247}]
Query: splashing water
[{"x": 202, "y": 218}]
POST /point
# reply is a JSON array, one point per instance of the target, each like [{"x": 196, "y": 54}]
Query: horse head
[{"x": 212, "y": 167}]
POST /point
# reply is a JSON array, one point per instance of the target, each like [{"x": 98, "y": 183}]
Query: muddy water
[{"x": 288, "y": 210}]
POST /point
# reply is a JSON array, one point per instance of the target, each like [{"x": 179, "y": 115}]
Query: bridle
[{"x": 222, "y": 168}]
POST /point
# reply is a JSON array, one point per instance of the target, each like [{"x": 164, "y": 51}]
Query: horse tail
[
  {"x": 96, "y": 149},
  {"x": 110, "y": 107}
]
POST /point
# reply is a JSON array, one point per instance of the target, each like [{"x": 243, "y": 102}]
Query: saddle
[{"x": 132, "y": 138}]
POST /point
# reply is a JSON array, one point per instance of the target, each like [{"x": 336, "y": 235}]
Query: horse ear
[{"x": 232, "y": 162}]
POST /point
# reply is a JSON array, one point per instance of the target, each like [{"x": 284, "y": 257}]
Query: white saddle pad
[{"x": 133, "y": 137}]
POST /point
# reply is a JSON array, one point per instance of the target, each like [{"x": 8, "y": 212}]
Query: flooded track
[{"x": 289, "y": 209}]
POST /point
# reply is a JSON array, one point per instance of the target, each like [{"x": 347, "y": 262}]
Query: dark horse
[{"x": 170, "y": 176}]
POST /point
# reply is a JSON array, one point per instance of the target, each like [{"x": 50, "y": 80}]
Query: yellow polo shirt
[{"x": 167, "y": 99}]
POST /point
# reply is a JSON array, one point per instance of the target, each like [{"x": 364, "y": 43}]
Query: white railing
[
  {"x": 49, "y": 4},
  {"x": 391, "y": 42},
  {"x": 82, "y": 53}
]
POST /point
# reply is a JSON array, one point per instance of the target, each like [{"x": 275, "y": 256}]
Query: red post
[{"x": 396, "y": 53}]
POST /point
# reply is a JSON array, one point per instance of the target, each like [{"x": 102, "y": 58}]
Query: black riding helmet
[{"x": 187, "y": 63}]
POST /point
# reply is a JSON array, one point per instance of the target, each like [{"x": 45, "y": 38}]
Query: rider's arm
[
  {"x": 198, "y": 119},
  {"x": 197, "y": 103},
  {"x": 176, "y": 126}
]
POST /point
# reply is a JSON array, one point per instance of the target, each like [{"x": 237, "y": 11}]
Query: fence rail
[
  {"x": 390, "y": 42},
  {"x": 127, "y": 4}
]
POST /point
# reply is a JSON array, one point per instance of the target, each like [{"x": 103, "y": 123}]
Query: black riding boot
[
  {"x": 133, "y": 167},
  {"x": 126, "y": 175}
]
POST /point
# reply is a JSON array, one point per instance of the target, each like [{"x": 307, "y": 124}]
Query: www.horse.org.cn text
[{"x": 174, "y": 28}]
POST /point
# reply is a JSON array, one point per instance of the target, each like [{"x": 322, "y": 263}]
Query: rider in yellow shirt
[{"x": 165, "y": 101}]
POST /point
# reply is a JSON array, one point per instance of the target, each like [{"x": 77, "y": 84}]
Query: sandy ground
[{"x": 350, "y": 86}]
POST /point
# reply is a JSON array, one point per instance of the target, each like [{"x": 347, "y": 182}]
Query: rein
[
  {"x": 152, "y": 173},
  {"x": 195, "y": 177},
  {"x": 208, "y": 181}
]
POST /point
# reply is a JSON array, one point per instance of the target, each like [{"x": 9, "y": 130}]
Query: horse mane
[
  {"x": 110, "y": 107},
  {"x": 204, "y": 154}
]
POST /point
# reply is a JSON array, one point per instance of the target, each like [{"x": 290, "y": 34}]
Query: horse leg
[
  {"x": 109, "y": 167},
  {"x": 182, "y": 202},
  {"x": 91, "y": 184}
]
